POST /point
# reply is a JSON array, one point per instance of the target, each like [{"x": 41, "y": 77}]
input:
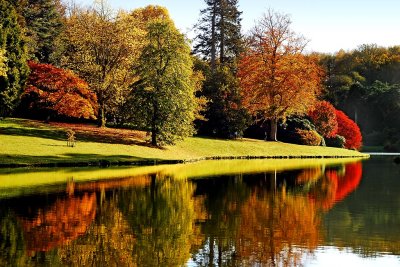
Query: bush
[
  {"x": 349, "y": 130},
  {"x": 323, "y": 116},
  {"x": 287, "y": 131},
  {"x": 337, "y": 141},
  {"x": 309, "y": 137}
]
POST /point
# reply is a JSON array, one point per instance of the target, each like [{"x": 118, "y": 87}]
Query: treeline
[{"x": 136, "y": 69}]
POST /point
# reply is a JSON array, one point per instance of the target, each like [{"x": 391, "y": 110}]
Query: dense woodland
[{"x": 61, "y": 61}]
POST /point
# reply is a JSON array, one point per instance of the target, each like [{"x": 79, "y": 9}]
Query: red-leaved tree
[
  {"x": 323, "y": 115},
  {"x": 349, "y": 130},
  {"x": 54, "y": 91}
]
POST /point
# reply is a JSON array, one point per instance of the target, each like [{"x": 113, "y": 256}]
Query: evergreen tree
[
  {"x": 14, "y": 59},
  {"x": 219, "y": 42},
  {"x": 219, "y": 36},
  {"x": 44, "y": 24}
]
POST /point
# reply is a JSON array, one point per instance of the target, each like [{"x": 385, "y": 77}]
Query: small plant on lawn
[{"x": 71, "y": 141}]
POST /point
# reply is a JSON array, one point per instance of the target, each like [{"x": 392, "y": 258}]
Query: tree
[
  {"x": 163, "y": 99},
  {"x": 349, "y": 130},
  {"x": 277, "y": 79},
  {"x": 54, "y": 91},
  {"x": 14, "y": 56},
  {"x": 220, "y": 48},
  {"x": 43, "y": 22},
  {"x": 219, "y": 34},
  {"x": 323, "y": 116},
  {"x": 102, "y": 49}
]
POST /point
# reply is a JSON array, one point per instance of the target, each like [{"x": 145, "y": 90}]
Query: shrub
[
  {"x": 349, "y": 130},
  {"x": 337, "y": 141},
  {"x": 309, "y": 137},
  {"x": 55, "y": 91},
  {"x": 323, "y": 116}
]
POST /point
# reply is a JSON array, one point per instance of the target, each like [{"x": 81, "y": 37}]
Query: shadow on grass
[
  {"x": 84, "y": 133},
  {"x": 72, "y": 159}
]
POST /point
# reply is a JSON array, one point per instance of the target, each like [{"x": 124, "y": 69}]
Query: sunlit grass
[{"x": 30, "y": 142}]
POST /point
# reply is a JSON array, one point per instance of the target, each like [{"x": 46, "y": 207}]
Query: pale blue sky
[{"x": 329, "y": 24}]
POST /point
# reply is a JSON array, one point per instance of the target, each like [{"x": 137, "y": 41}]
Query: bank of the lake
[{"x": 33, "y": 143}]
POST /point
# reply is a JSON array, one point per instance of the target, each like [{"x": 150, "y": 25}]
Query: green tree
[
  {"x": 43, "y": 22},
  {"x": 163, "y": 99},
  {"x": 13, "y": 49},
  {"x": 219, "y": 43},
  {"x": 218, "y": 30}
]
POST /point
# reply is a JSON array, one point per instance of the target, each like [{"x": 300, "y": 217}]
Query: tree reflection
[
  {"x": 336, "y": 185},
  {"x": 161, "y": 217},
  {"x": 277, "y": 228},
  {"x": 60, "y": 223}
]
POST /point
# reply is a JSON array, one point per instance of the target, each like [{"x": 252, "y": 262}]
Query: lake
[{"x": 211, "y": 213}]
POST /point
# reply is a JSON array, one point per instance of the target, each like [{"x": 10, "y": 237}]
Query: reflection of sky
[{"x": 333, "y": 257}]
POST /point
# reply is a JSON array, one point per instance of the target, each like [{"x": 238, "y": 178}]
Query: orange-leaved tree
[
  {"x": 323, "y": 115},
  {"x": 54, "y": 91},
  {"x": 349, "y": 130},
  {"x": 277, "y": 79}
]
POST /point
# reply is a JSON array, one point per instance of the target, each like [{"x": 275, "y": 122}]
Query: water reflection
[{"x": 271, "y": 218}]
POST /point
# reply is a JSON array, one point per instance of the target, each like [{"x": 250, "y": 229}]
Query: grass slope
[{"x": 32, "y": 142}]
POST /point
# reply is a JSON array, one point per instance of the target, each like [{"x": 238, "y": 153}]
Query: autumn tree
[
  {"x": 323, "y": 116},
  {"x": 277, "y": 79},
  {"x": 101, "y": 48},
  {"x": 13, "y": 65},
  {"x": 349, "y": 130},
  {"x": 163, "y": 99},
  {"x": 54, "y": 91}
]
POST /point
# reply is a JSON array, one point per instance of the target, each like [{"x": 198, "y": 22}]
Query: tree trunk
[
  {"x": 213, "y": 39},
  {"x": 273, "y": 130},
  {"x": 154, "y": 126},
  {"x": 101, "y": 120}
]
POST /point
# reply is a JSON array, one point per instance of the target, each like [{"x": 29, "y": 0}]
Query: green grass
[{"x": 31, "y": 142}]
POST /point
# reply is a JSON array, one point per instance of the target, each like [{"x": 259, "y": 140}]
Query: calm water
[{"x": 204, "y": 215}]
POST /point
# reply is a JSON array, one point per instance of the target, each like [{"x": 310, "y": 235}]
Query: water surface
[{"x": 218, "y": 213}]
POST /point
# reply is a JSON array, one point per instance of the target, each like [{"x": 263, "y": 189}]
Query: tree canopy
[{"x": 277, "y": 79}]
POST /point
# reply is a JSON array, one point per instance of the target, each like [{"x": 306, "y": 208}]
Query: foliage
[
  {"x": 14, "y": 57},
  {"x": 277, "y": 80},
  {"x": 102, "y": 49},
  {"x": 323, "y": 116},
  {"x": 218, "y": 32},
  {"x": 54, "y": 91},
  {"x": 336, "y": 141},
  {"x": 349, "y": 130},
  {"x": 42, "y": 20},
  {"x": 163, "y": 99},
  {"x": 219, "y": 43},
  {"x": 225, "y": 116},
  {"x": 358, "y": 82},
  {"x": 309, "y": 138},
  {"x": 3, "y": 63}
]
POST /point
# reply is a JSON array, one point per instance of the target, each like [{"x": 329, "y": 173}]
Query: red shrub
[
  {"x": 323, "y": 117},
  {"x": 54, "y": 90},
  {"x": 349, "y": 130}
]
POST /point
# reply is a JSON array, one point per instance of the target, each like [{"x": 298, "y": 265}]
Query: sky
[{"x": 329, "y": 25}]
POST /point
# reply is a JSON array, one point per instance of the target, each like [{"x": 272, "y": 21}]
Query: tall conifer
[{"x": 14, "y": 59}]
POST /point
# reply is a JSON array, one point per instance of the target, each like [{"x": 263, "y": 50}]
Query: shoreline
[{"x": 108, "y": 163}]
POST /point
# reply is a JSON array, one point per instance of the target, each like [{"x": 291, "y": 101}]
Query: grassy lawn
[{"x": 32, "y": 142}]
